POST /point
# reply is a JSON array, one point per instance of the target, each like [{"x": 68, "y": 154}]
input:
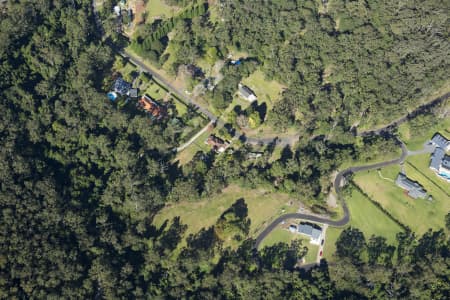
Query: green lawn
[
  {"x": 156, "y": 92},
  {"x": 285, "y": 236},
  {"x": 198, "y": 145},
  {"x": 266, "y": 91},
  {"x": 331, "y": 237},
  {"x": 422, "y": 162},
  {"x": 263, "y": 206},
  {"x": 419, "y": 215},
  {"x": 159, "y": 9},
  {"x": 365, "y": 216}
]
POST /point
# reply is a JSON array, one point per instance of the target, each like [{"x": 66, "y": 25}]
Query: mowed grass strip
[
  {"x": 262, "y": 205},
  {"x": 420, "y": 214}
]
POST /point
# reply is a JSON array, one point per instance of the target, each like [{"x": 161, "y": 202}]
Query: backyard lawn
[
  {"x": 285, "y": 236},
  {"x": 188, "y": 153},
  {"x": 156, "y": 92},
  {"x": 266, "y": 91},
  {"x": 159, "y": 9},
  {"x": 263, "y": 206},
  {"x": 420, "y": 214}
]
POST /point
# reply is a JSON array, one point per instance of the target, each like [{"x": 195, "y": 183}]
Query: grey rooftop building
[
  {"x": 436, "y": 159},
  {"x": 246, "y": 93},
  {"x": 312, "y": 231},
  {"x": 440, "y": 141},
  {"x": 121, "y": 86},
  {"x": 440, "y": 162},
  {"x": 414, "y": 189}
]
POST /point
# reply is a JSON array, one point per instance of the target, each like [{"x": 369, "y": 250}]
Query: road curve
[{"x": 338, "y": 182}]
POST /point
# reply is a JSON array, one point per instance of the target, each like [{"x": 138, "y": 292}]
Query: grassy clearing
[
  {"x": 188, "y": 153},
  {"x": 263, "y": 206},
  {"x": 266, "y": 91},
  {"x": 366, "y": 217},
  {"x": 159, "y": 9},
  {"x": 370, "y": 219},
  {"x": 282, "y": 235},
  {"x": 156, "y": 92},
  {"x": 419, "y": 215},
  {"x": 331, "y": 237}
]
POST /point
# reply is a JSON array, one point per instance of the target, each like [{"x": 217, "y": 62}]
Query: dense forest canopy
[
  {"x": 344, "y": 61},
  {"x": 80, "y": 181}
]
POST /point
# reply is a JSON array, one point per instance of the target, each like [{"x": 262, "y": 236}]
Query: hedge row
[{"x": 406, "y": 228}]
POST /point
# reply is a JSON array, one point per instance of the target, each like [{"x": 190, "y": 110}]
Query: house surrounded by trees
[
  {"x": 217, "y": 144},
  {"x": 313, "y": 231},
  {"x": 246, "y": 93}
]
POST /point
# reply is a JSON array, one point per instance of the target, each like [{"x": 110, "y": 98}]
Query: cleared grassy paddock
[
  {"x": 420, "y": 214},
  {"x": 159, "y": 9},
  {"x": 263, "y": 206},
  {"x": 365, "y": 216}
]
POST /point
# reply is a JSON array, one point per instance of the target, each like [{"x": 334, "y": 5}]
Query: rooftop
[
  {"x": 121, "y": 86},
  {"x": 415, "y": 190},
  {"x": 155, "y": 110},
  {"x": 436, "y": 158},
  {"x": 309, "y": 230},
  {"x": 245, "y": 91},
  {"x": 440, "y": 141},
  {"x": 217, "y": 143},
  {"x": 446, "y": 162}
]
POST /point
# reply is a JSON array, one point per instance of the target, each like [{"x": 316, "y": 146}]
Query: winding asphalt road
[{"x": 338, "y": 183}]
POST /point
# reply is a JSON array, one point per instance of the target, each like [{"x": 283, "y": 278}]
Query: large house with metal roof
[
  {"x": 440, "y": 161},
  {"x": 314, "y": 232},
  {"x": 414, "y": 189},
  {"x": 440, "y": 141}
]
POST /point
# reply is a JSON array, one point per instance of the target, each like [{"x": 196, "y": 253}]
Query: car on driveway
[
  {"x": 320, "y": 254},
  {"x": 321, "y": 243}
]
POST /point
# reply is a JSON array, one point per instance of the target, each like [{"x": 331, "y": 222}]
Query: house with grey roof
[
  {"x": 313, "y": 231},
  {"x": 246, "y": 93},
  {"x": 440, "y": 161},
  {"x": 440, "y": 141},
  {"x": 436, "y": 159},
  {"x": 414, "y": 189},
  {"x": 121, "y": 86}
]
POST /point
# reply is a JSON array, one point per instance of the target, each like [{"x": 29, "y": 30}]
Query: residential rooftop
[
  {"x": 415, "y": 190},
  {"x": 440, "y": 141},
  {"x": 310, "y": 230},
  {"x": 246, "y": 93}
]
